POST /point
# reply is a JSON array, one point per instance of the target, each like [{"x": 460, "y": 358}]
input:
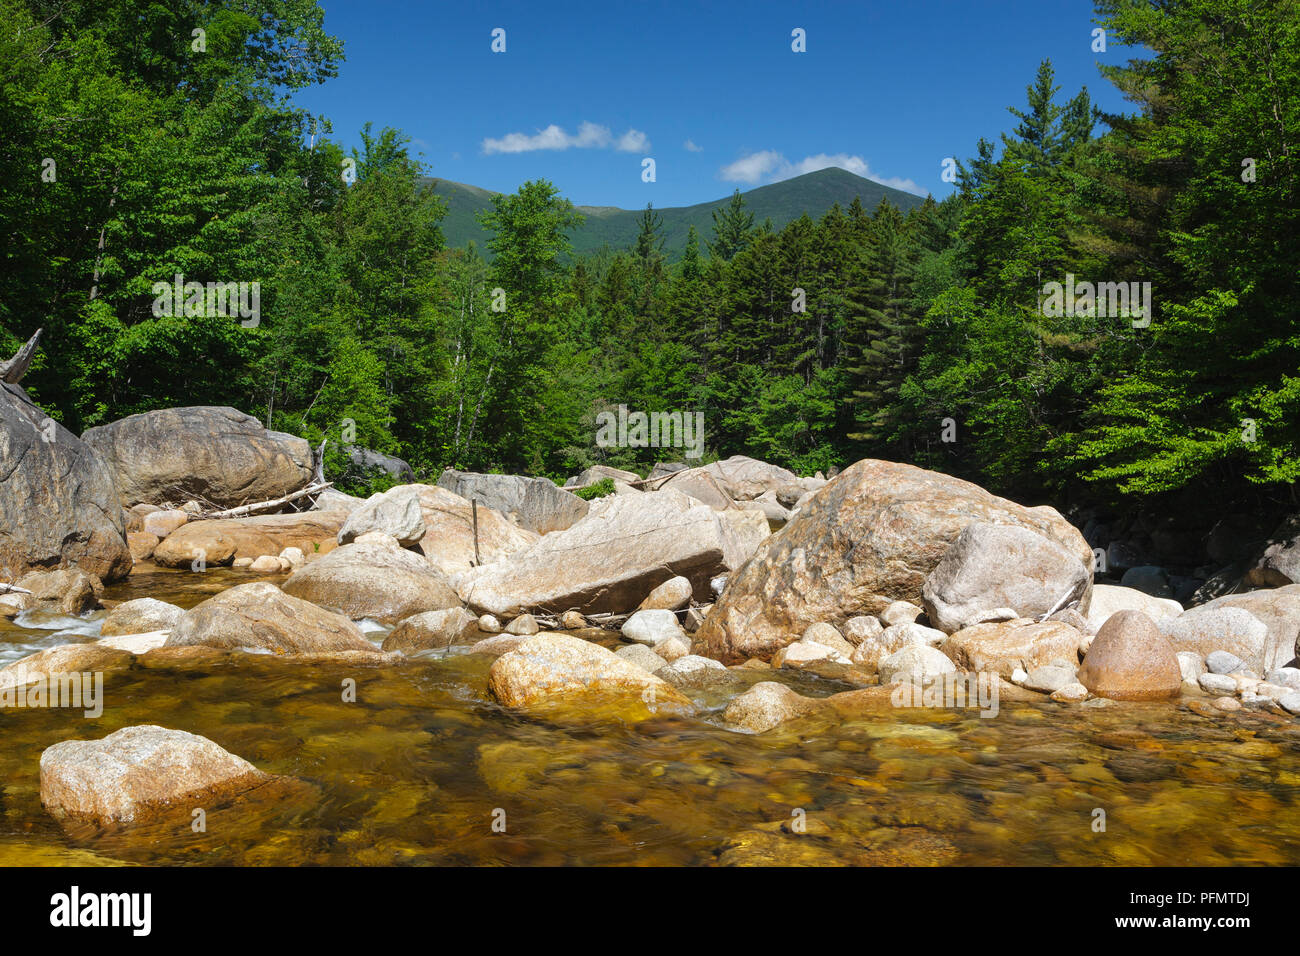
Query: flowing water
[{"x": 423, "y": 768}]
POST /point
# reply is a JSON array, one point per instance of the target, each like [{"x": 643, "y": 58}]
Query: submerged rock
[
  {"x": 139, "y": 616},
  {"x": 139, "y": 772},
  {"x": 551, "y": 669},
  {"x": 431, "y": 629}
]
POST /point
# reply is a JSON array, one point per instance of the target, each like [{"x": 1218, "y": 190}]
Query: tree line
[{"x": 132, "y": 156}]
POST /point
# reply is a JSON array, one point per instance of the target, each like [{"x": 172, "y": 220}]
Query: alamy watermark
[
  {"x": 651, "y": 430},
  {"x": 968, "y": 689},
  {"x": 1124, "y": 300},
  {"x": 200, "y": 299},
  {"x": 75, "y": 689}
]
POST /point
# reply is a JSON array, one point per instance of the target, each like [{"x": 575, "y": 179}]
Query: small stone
[
  {"x": 652, "y": 626},
  {"x": 1019, "y": 675},
  {"x": 1286, "y": 676},
  {"x": 488, "y": 624},
  {"x": 572, "y": 621},
  {"x": 1192, "y": 666},
  {"x": 1226, "y": 703},
  {"x": 1217, "y": 684},
  {"x": 800, "y": 653},
  {"x": 857, "y": 629},
  {"x": 1072, "y": 693},
  {"x": 1049, "y": 679},
  {"x": 673, "y": 595},
  {"x": 1290, "y": 703},
  {"x": 915, "y": 662},
  {"x": 717, "y": 585},
  {"x": 695, "y": 617},
  {"x": 242, "y": 563},
  {"x": 829, "y": 636},
  {"x": 765, "y": 705},
  {"x": 900, "y": 612},
  {"x": 294, "y": 556},
  {"x": 1272, "y": 691},
  {"x": 1221, "y": 662},
  {"x": 266, "y": 564},
  {"x": 671, "y": 648},
  {"x": 695, "y": 671},
  {"x": 523, "y": 624},
  {"x": 642, "y": 656}
]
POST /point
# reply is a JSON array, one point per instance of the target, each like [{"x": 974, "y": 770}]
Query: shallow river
[{"x": 424, "y": 769}]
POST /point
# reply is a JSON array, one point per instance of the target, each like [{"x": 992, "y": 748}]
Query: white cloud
[
  {"x": 589, "y": 136},
  {"x": 769, "y": 166},
  {"x": 690, "y": 147},
  {"x": 633, "y": 141}
]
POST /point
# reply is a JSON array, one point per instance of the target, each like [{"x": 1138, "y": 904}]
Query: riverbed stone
[
  {"x": 1107, "y": 599},
  {"x": 1236, "y": 626},
  {"x": 642, "y": 656},
  {"x": 221, "y": 541},
  {"x": 1221, "y": 662},
  {"x": 1049, "y": 678},
  {"x": 524, "y": 624},
  {"x": 652, "y": 626},
  {"x": 1002, "y": 646},
  {"x": 218, "y": 454},
  {"x": 1192, "y": 666},
  {"x": 829, "y": 636},
  {"x": 58, "y": 505},
  {"x": 561, "y": 669},
  {"x": 373, "y": 580},
  {"x": 139, "y": 616},
  {"x": 607, "y": 562},
  {"x": 260, "y": 616},
  {"x": 69, "y": 591},
  {"x": 673, "y": 595},
  {"x": 431, "y": 629},
  {"x": 536, "y": 504},
  {"x": 693, "y": 671},
  {"x": 138, "y": 772},
  {"x": 1131, "y": 660},
  {"x": 857, "y": 629},
  {"x": 1217, "y": 683},
  {"x": 765, "y": 705},
  {"x": 915, "y": 662},
  {"x": 874, "y": 648}
]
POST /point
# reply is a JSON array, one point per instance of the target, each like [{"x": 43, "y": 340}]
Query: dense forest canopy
[{"x": 143, "y": 143}]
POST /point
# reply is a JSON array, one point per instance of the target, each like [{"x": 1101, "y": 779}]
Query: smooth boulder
[
  {"x": 216, "y": 455},
  {"x": 868, "y": 538},
  {"x": 138, "y": 772},
  {"x": 374, "y": 579},
  {"x": 259, "y": 616},
  {"x": 992, "y": 566},
  {"x": 607, "y": 562},
  {"x": 1131, "y": 660},
  {"x": 533, "y": 503},
  {"x": 140, "y": 616},
  {"x": 59, "y": 507}
]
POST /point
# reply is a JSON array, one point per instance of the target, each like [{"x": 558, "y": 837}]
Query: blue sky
[{"x": 711, "y": 91}]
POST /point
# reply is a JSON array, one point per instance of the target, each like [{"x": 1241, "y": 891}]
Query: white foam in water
[{"x": 39, "y": 620}]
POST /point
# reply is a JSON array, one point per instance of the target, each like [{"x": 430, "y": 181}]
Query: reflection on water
[{"x": 417, "y": 770}]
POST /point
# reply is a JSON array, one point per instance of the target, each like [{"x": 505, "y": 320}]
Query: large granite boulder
[
  {"x": 214, "y": 455},
  {"x": 1108, "y": 599},
  {"x": 746, "y": 478},
  {"x": 993, "y": 566},
  {"x": 139, "y": 772},
  {"x": 598, "y": 473},
  {"x": 220, "y": 541},
  {"x": 373, "y": 579},
  {"x": 395, "y": 512},
  {"x": 1278, "y": 609},
  {"x": 870, "y": 537},
  {"x": 533, "y": 503},
  {"x": 626, "y": 546},
  {"x": 366, "y": 461},
  {"x": 58, "y": 504},
  {"x": 259, "y": 616},
  {"x": 449, "y": 538}
]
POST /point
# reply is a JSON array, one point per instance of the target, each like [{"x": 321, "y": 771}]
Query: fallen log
[{"x": 244, "y": 511}]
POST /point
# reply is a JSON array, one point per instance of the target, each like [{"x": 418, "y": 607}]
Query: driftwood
[
  {"x": 12, "y": 589},
  {"x": 13, "y": 370},
  {"x": 259, "y": 506},
  {"x": 1060, "y": 603},
  {"x": 318, "y": 470}
]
